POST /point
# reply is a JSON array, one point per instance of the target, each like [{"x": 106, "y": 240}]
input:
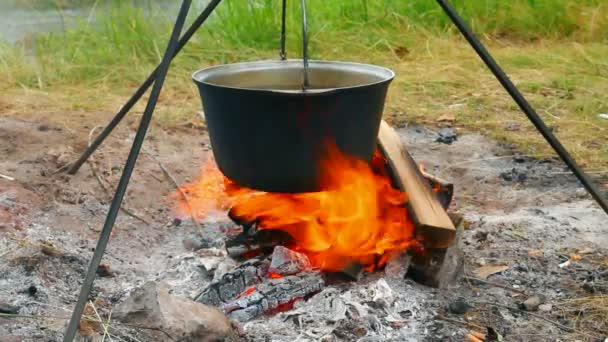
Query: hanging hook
[
  {"x": 306, "y": 83},
  {"x": 282, "y": 52}
]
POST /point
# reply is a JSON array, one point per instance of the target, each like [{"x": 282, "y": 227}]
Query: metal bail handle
[
  {"x": 306, "y": 83},
  {"x": 282, "y": 53}
]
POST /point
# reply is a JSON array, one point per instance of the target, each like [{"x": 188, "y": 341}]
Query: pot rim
[{"x": 386, "y": 74}]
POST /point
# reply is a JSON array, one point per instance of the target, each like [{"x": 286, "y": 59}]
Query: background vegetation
[{"x": 555, "y": 50}]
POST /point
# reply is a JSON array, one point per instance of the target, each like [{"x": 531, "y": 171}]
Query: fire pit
[
  {"x": 292, "y": 244},
  {"x": 327, "y": 250}
]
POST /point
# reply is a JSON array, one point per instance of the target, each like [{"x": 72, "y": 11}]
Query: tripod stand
[{"x": 156, "y": 78}]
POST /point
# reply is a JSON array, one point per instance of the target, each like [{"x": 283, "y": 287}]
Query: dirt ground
[{"x": 529, "y": 215}]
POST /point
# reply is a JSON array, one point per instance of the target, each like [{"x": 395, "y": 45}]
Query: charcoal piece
[
  {"x": 243, "y": 252},
  {"x": 287, "y": 262},
  {"x": 515, "y": 175},
  {"x": 253, "y": 241},
  {"x": 459, "y": 306},
  {"x": 233, "y": 283},
  {"x": 273, "y": 294},
  {"x": 9, "y": 309},
  {"x": 239, "y": 220},
  {"x": 351, "y": 272}
]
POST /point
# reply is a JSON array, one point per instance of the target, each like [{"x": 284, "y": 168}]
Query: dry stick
[
  {"x": 88, "y": 319},
  {"x": 468, "y": 281},
  {"x": 557, "y": 324},
  {"x": 91, "y": 162},
  {"x": 483, "y": 281},
  {"x": 61, "y": 169},
  {"x": 179, "y": 189},
  {"x": 8, "y": 178}
]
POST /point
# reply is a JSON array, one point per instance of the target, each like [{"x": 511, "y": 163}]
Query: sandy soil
[{"x": 49, "y": 223}]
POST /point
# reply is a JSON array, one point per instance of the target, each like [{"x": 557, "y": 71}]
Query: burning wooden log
[
  {"x": 287, "y": 262},
  {"x": 439, "y": 267},
  {"x": 443, "y": 189},
  {"x": 431, "y": 219},
  {"x": 274, "y": 295},
  {"x": 233, "y": 283},
  {"x": 253, "y": 241}
]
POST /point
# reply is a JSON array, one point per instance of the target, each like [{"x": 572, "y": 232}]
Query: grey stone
[
  {"x": 459, "y": 306},
  {"x": 545, "y": 307},
  {"x": 532, "y": 303},
  {"x": 185, "y": 320},
  {"x": 581, "y": 193},
  {"x": 515, "y": 175},
  {"x": 447, "y": 136}
]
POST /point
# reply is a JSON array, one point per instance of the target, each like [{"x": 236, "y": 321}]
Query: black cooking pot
[{"x": 269, "y": 134}]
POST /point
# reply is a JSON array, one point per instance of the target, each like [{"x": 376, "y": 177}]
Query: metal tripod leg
[
  {"x": 74, "y": 167},
  {"x": 126, "y": 174},
  {"x": 523, "y": 103}
]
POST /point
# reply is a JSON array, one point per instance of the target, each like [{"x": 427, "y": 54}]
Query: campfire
[
  {"x": 291, "y": 244},
  {"x": 357, "y": 217}
]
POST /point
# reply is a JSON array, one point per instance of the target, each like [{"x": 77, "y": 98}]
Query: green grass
[
  {"x": 48, "y": 4},
  {"x": 554, "y": 49},
  {"x": 126, "y": 42}
]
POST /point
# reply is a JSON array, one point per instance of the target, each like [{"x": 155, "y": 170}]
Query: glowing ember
[
  {"x": 274, "y": 275},
  {"x": 358, "y": 216},
  {"x": 248, "y": 291},
  {"x": 284, "y": 307}
]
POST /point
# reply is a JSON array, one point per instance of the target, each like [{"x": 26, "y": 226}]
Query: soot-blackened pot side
[{"x": 268, "y": 134}]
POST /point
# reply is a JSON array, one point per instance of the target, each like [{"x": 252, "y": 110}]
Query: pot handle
[
  {"x": 306, "y": 83},
  {"x": 282, "y": 52}
]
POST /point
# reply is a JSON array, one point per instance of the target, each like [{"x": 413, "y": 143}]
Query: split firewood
[
  {"x": 432, "y": 221},
  {"x": 443, "y": 189}
]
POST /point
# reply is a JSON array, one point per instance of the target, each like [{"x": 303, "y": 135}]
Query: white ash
[{"x": 379, "y": 310}]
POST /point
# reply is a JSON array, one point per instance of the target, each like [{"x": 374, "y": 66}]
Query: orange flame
[
  {"x": 358, "y": 216},
  {"x": 205, "y": 194}
]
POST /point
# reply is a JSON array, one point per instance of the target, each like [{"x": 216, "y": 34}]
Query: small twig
[
  {"x": 91, "y": 162},
  {"x": 61, "y": 169},
  {"x": 8, "y": 178},
  {"x": 468, "y": 324},
  {"x": 483, "y": 281},
  {"x": 512, "y": 308},
  {"x": 179, "y": 189}
]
